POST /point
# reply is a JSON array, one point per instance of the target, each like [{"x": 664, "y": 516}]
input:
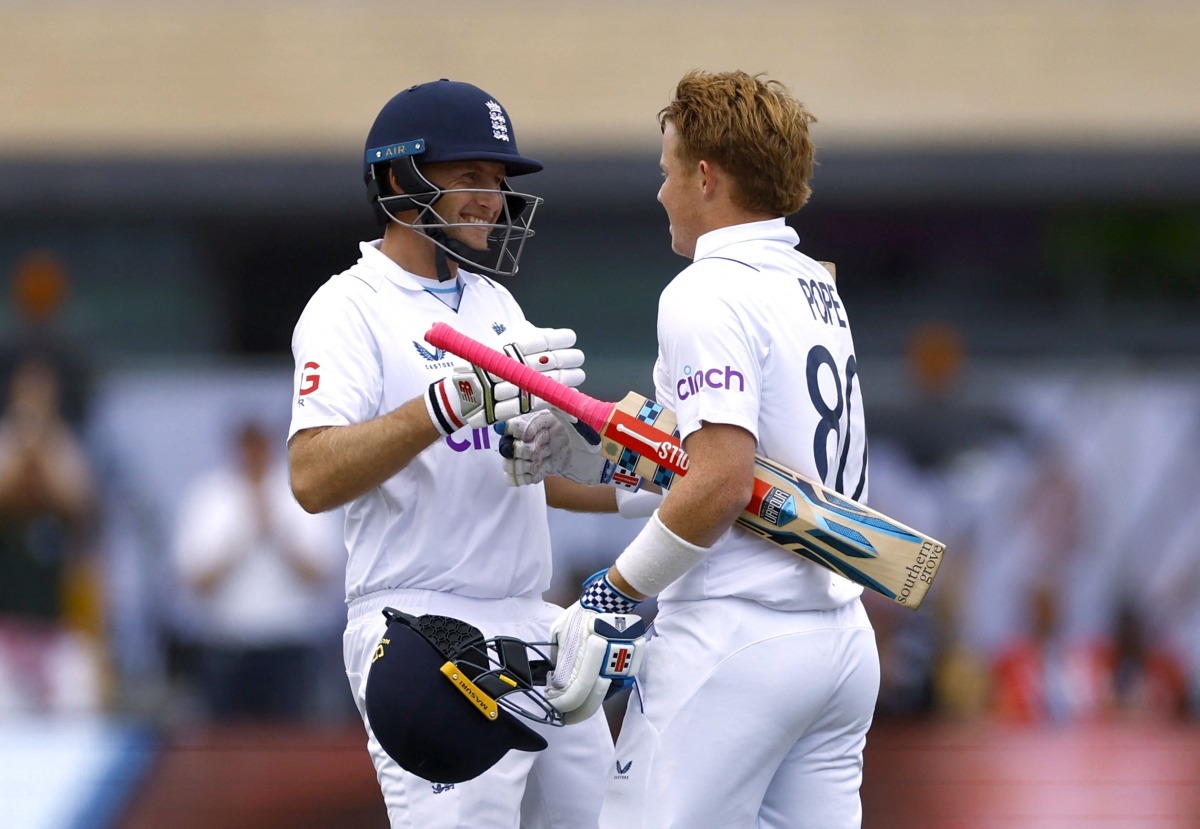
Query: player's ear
[{"x": 707, "y": 175}]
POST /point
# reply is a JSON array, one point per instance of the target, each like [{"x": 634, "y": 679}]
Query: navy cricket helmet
[
  {"x": 445, "y": 703},
  {"x": 443, "y": 121}
]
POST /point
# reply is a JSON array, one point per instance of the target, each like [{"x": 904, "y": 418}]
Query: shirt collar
[
  {"x": 376, "y": 260},
  {"x": 772, "y": 230}
]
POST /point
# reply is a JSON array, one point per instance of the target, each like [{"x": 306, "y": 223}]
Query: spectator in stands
[
  {"x": 40, "y": 287},
  {"x": 260, "y": 572},
  {"x": 1171, "y": 601},
  {"x": 49, "y": 659},
  {"x": 1149, "y": 678},
  {"x": 951, "y": 459},
  {"x": 1041, "y": 676}
]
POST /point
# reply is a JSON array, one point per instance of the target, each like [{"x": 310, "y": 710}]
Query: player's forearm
[
  {"x": 336, "y": 464},
  {"x": 701, "y": 513},
  {"x": 675, "y": 539},
  {"x": 706, "y": 502},
  {"x": 568, "y": 495},
  {"x": 699, "y": 508}
]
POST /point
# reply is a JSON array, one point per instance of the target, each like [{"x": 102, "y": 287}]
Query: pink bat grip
[{"x": 593, "y": 412}]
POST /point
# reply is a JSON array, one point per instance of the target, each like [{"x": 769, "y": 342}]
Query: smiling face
[
  {"x": 680, "y": 194},
  {"x": 472, "y": 197}
]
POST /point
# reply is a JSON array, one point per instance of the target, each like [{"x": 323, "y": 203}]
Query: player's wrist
[
  {"x": 439, "y": 403},
  {"x": 468, "y": 397},
  {"x": 622, "y": 586},
  {"x": 602, "y": 596},
  {"x": 656, "y": 557}
]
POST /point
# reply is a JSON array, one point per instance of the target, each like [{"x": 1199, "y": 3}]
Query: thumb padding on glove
[{"x": 589, "y": 650}]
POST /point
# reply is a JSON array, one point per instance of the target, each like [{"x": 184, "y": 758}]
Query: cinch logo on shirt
[
  {"x": 476, "y": 439},
  {"x": 717, "y": 378}
]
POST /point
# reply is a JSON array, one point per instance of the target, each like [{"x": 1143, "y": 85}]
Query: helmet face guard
[
  {"x": 446, "y": 704},
  {"x": 506, "y": 237},
  {"x": 448, "y": 121}
]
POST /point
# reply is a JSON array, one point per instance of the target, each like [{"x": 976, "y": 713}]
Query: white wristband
[
  {"x": 656, "y": 557},
  {"x": 637, "y": 504}
]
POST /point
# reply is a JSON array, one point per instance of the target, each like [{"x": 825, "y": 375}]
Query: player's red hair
[{"x": 750, "y": 127}]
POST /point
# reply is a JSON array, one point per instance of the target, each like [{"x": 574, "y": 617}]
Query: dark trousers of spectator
[{"x": 264, "y": 683}]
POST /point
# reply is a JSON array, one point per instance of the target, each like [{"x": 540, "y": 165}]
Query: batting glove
[
  {"x": 552, "y": 442},
  {"x": 470, "y": 396},
  {"x": 596, "y": 645}
]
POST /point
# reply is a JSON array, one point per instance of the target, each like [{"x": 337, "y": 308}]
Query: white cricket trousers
[
  {"x": 747, "y": 718},
  {"x": 558, "y": 788}
]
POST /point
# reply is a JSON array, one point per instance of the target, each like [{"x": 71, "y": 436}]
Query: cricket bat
[{"x": 788, "y": 509}]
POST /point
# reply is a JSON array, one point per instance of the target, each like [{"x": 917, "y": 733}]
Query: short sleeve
[
  {"x": 338, "y": 376},
  {"x": 710, "y": 357}
]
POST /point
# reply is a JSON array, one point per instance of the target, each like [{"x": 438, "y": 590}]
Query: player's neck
[
  {"x": 414, "y": 251},
  {"x": 729, "y": 215}
]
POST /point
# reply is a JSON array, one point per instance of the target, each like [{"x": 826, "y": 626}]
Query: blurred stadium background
[{"x": 1010, "y": 190}]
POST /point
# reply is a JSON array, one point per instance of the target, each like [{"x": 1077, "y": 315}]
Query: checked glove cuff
[{"x": 600, "y": 595}]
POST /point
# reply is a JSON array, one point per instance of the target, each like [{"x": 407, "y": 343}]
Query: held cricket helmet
[
  {"x": 448, "y": 121},
  {"x": 445, "y": 703}
]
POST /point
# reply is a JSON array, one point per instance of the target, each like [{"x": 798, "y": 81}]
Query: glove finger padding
[
  {"x": 470, "y": 396},
  {"x": 532, "y": 441},
  {"x": 551, "y": 347},
  {"x": 590, "y": 650},
  {"x": 512, "y": 401},
  {"x": 555, "y": 443},
  {"x": 550, "y": 351},
  {"x": 545, "y": 350}
]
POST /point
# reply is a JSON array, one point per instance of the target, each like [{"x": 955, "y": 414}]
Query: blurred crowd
[
  {"x": 1070, "y": 591},
  {"x": 241, "y": 586}
]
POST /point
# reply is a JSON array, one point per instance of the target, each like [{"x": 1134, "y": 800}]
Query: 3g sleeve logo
[{"x": 309, "y": 381}]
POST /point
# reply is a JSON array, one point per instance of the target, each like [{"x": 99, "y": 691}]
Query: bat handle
[{"x": 593, "y": 412}]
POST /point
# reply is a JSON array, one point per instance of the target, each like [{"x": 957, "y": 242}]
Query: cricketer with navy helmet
[
  {"x": 440, "y": 122},
  {"x": 399, "y": 436}
]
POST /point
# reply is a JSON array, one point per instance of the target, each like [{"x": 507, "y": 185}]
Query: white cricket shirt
[
  {"x": 754, "y": 334},
  {"x": 261, "y": 598},
  {"x": 448, "y": 521}
]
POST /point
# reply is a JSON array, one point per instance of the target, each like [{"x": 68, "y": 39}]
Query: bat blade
[{"x": 787, "y": 509}]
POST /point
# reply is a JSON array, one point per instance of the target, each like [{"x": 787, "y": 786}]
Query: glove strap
[
  {"x": 441, "y": 409},
  {"x": 600, "y": 595}
]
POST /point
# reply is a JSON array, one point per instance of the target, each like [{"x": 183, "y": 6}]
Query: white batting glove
[
  {"x": 552, "y": 442},
  {"x": 596, "y": 645},
  {"x": 470, "y": 396}
]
